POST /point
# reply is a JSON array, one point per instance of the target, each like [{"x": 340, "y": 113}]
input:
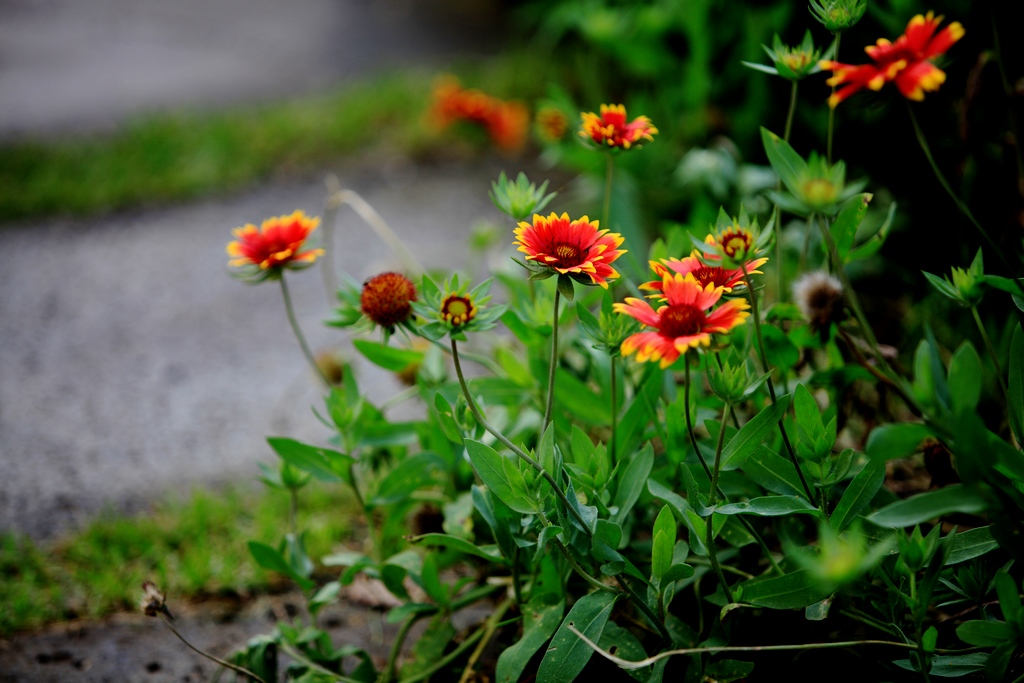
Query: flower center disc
[
  {"x": 712, "y": 275},
  {"x": 457, "y": 310},
  {"x": 681, "y": 321},
  {"x": 568, "y": 255}
]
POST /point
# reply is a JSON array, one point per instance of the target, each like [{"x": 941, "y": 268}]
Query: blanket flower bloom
[
  {"x": 683, "y": 322},
  {"x": 387, "y": 299},
  {"x": 705, "y": 274},
  {"x": 907, "y": 61},
  {"x": 506, "y": 122},
  {"x": 611, "y": 130},
  {"x": 278, "y": 243},
  {"x": 575, "y": 248}
]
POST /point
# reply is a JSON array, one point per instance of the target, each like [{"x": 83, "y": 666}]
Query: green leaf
[
  {"x": 565, "y": 287},
  {"x": 435, "y": 639},
  {"x": 985, "y": 633},
  {"x": 971, "y": 544},
  {"x": 943, "y": 286},
  {"x": 540, "y": 620},
  {"x": 488, "y": 552},
  {"x": 579, "y": 400},
  {"x": 753, "y": 434},
  {"x": 896, "y": 440},
  {"x": 409, "y": 475},
  {"x": 772, "y": 471},
  {"x": 446, "y": 418},
  {"x": 965, "y": 379},
  {"x": 950, "y": 666},
  {"x": 808, "y": 415},
  {"x": 430, "y": 581},
  {"x": 858, "y": 494},
  {"x": 784, "y": 160},
  {"x": 930, "y": 505},
  {"x": 567, "y": 654},
  {"x": 507, "y": 483},
  {"x": 632, "y": 482},
  {"x": 269, "y": 558},
  {"x": 791, "y": 591},
  {"x": 327, "y": 594},
  {"x": 1015, "y": 385},
  {"x": 387, "y": 357},
  {"x": 624, "y": 644},
  {"x": 769, "y": 506},
  {"x": 727, "y": 670},
  {"x": 1009, "y": 598},
  {"x": 499, "y": 518},
  {"x": 844, "y": 228},
  {"x": 664, "y": 543},
  {"x": 871, "y": 245},
  {"x": 322, "y": 463}
]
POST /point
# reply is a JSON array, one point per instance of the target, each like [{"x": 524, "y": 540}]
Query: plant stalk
[
  {"x": 549, "y": 403},
  {"x": 217, "y": 660},
  {"x": 1015, "y": 427},
  {"x": 290, "y": 310},
  {"x": 712, "y": 497},
  {"x": 831, "y": 109}
]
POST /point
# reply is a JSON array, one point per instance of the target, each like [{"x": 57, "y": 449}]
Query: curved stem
[
  {"x": 549, "y": 403},
  {"x": 511, "y": 446},
  {"x": 217, "y": 660},
  {"x": 490, "y": 627},
  {"x": 831, "y": 109},
  {"x": 396, "y": 648},
  {"x": 615, "y": 412},
  {"x": 290, "y": 310},
  {"x": 766, "y": 368},
  {"x": 1014, "y": 425},
  {"x": 447, "y": 659},
  {"x": 477, "y": 358},
  {"x": 789, "y": 114},
  {"x": 712, "y": 497}
]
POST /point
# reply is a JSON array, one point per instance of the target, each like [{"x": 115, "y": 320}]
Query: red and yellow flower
[
  {"x": 705, "y": 273},
  {"x": 276, "y": 244},
  {"x": 387, "y": 299},
  {"x": 576, "y": 248},
  {"x": 506, "y": 122},
  {"x": 683, "y": 322},
  {"x": 610, "y": 129},
  {"x": 906, "y": 62}
]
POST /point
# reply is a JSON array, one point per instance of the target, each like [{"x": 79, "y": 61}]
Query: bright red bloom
[
  {"x": 683, "y": 323},
  {"x": 907, "y": 62},
  {"x": 611, "y": 130},
  {"x": 505, "y": 122},
  {"x": 705, "y": 274},
  {"x": 275, "y": 244},
  {"x": 571, "y": 247},
  {"x": 387, "y": 299}
]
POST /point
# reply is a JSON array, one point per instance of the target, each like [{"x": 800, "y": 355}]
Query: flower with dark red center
[
  {"x": 704, "y": 273},
  {"x": 457, "y": 310},
  {"x": 683, "y": 323},
  {"x": 276, "y": 244},
  {"x": 906, "y": 62},
  {"x": 576, "y": 248},
  {"x": 387, "y": 299},
  {"x": 610, "y": 129}
]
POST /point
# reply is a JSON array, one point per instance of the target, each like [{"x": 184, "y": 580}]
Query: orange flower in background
[
  {"x": 611, "y": 130},
  {"x": 703, "y": 273},
  {"x": 387, "y": 299},
  {"x": 683, "y": 322},
  {"x": 277, "y": 243},
  {"x": 506, "y": 123},
  {"x": 552, "y": 123},
  {"x": 907, "y": 62},
  {"x": 571, "y": 247}
]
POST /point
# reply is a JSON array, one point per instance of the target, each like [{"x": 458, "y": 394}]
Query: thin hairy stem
[
  {"x": 831, "y": 109},
  {"x": 1015, "y": 426},
  {"x": 217, "y": 660},
  {"x": 290, "y": 310},
  {"x": 549, "y": 403},
  {"x": 615, "y": 413}
]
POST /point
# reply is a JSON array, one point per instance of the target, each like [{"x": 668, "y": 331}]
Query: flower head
[
  {"x": 705, "y": 273},
  {"x": 611, "y": 130},
  {"x": 907, "y": 61},
  {"x": 387, "y": 299},
  {"x": 683, "y": 322},
  {"x": 277, "y": 244},
  {"x": 576, "y": 248},
  {"x": 820, "y": 299},
  {"x": 838, "y": 15},
  {"x": 735, "y": 243},
  {"x": 455, "y": 309},
  {"x": 506, "y": 122},
  {"x": 153, "y": 600},
  {"x": 791, "y": 62},
  {"x": 520, "y": 198}
]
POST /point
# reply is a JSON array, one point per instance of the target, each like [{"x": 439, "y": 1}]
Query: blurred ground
[{"x": 72, "y": 66}]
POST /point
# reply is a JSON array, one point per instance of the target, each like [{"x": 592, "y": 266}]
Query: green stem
[
  {"x": 327, "y": 262},
  {"x": 584, "y": 574},
  {"x": 511, "y": 446},
  {"x": 766, "y": 368},
  {"x": 290, "y": 310},
  {"x": 712, "y": 553},
  {"x": 489, "y": 628},
  {"x": 615, "y": 412},
  {"x": 448, "y": 659},
  {"x": 831, "y": 109},
  {"x": 703, "y": 463},
  {"x": 606, "y": 216},
  {"x": 964, "y": 209},
  {"x": 396, "y": 648},
  {"x": 789, "y": 114},
  {"x": 477, "y": 358},
  {"x": 549, "y": 403},
  {"x": 216, "y": 660},
  {"x": 1014, "y": 425},
  {"x": 293, "y": 510},
  {"x": 516, "y": 584}
]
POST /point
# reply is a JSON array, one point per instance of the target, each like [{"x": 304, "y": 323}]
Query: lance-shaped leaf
[{"x": 501, "y": 476}]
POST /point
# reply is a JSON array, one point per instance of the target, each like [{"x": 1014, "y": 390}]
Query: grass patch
[
  {"x": 191, "y": 548},
  {"x": 162, "y": 158}
]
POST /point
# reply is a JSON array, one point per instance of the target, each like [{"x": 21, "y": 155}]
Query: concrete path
[{"x": 131, "y": 364}]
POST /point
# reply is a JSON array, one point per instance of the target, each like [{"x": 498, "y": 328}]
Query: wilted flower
[
  {"x": 791, "y": 63},
  {"x": 683, "y": 323},
  {"x": 153, "y": 600},
  {"x": 838, "y": 15},
  {"x": 387, "y": 299},
  {"x": 820, "y": 299},
  {"x": 611, "y": 130},
  {"x": 521, "y": 198},
  {"x": 278, "y": 243},
  {"x": 575, "y": 248},
  {"x": 907, "y": 62}
]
